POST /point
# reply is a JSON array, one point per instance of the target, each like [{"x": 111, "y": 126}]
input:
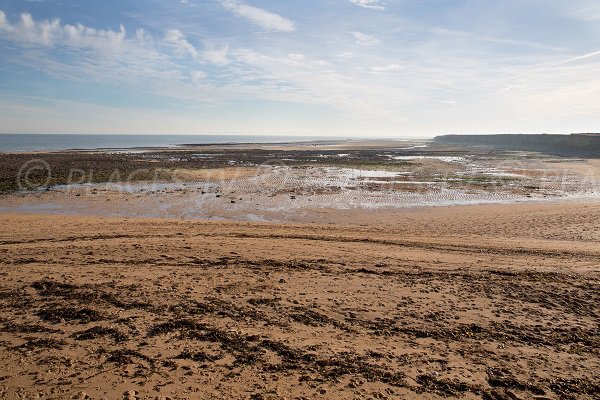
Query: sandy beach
[{"x": 495, "y": 301}]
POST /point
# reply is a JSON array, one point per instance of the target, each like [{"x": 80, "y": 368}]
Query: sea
[{"x": 52, "y": 142}]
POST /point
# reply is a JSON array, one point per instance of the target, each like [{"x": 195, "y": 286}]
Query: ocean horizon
[{"x": 10, "y": 142}]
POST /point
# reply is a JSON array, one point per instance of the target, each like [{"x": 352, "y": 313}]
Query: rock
[
  {"x": 131, "y": 395},
  {"x": 497, "y": 394},
  {"x": 354, "y": 383},
  {"x": 512, "y": 395}
]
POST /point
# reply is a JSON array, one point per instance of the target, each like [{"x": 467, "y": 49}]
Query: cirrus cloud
[
  {"x": 364, "y": 39},
  {"x": 372, "y": 4},
  {"x": 263, "y": 18}
]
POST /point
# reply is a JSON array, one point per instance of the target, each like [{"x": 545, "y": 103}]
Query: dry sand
[{"x": 493, "y": 302}]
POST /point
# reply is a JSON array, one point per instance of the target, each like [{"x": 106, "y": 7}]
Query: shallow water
[
  {"x": 281, "y": 191},
  {"x": 49, "y": 142},
  {"x": 440, "y": 158}
]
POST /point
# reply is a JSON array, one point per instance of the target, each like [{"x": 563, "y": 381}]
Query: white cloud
[
  {"x": 263, "y": 18},
  {"x": 344, "y": 55},
  {"x": 584, "y": 10},
  {"x": 140, "y": 60},
  {"x": 315, "y": 81},
  {"x": 382, "y": 69},
  {"x": 198, "y": 76},
  {"x": 177, "y": 39},
  {"x": 372, "y": 4},
  {"x": 578, "y": 58},
  {"x": 216, "y": 54},
  {"x": 51, "y": 33},
  {"x": 142, "y": 36},
  {"x": 296, "y": 57},
  {"x": 212, "y": 54},
  {"x": 492, "y": 39},
  {"x": 364, "y": 39}
]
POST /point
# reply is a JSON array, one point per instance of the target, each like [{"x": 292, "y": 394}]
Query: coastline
[
  {"x": 380, "y": 216},
  {"x": 275, "y": 181}
]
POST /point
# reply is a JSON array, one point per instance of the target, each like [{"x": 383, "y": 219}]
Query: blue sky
[{"x": 400, "y": 68}]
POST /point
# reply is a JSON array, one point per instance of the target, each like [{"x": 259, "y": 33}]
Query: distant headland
[{"x": 575, "y": 144}]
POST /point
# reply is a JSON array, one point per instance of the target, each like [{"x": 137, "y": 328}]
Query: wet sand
[
  {"x": 303, "y": 193},
  {"x": 493, "y": 302}
]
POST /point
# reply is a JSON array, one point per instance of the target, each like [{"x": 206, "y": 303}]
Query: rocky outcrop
[{"x": 577, "y": 144}]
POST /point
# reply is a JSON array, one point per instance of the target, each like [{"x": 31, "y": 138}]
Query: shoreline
[
  {"x": 481, "y": 216},
  {"x": 289, "y": 182},
  {"x": 310, "y": 216},
  {"x": 301, "y": 141}
]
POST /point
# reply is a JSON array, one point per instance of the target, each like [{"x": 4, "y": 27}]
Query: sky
[{"x": 389, "y": 68}]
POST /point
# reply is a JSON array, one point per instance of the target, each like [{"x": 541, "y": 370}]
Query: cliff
[{"x": 576, "y": 144}]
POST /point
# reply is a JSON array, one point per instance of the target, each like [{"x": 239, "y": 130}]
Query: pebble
[
  {"x": 512, "y": 395},
  {"x": 131, "y": 395}
]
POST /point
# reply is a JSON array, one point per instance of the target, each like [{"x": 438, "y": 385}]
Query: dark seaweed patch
[
  {"x": 198, "y": 356},
  {"x": 45, "y": 343},
  {"x": 13, "y": 327},
  {"x": 99, "y": 332},
  {"x": 58, "y": 314},
  {"x": 504, "y": 379},
  {"x": 445, "y": 387}
]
